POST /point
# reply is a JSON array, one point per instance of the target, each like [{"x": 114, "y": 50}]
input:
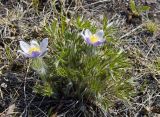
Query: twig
[
  {"x": 150, "y": 50},
  {"x": 127, "y": 34},
  {"x": 24, "y": 89},
  {"x": 96, "y": 3}
]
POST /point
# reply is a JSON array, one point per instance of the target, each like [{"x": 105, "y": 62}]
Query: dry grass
[{"x": 22, "y": 20}]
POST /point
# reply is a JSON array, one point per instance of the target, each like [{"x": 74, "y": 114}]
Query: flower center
[
  {"x": 93, "y": 39},
  {"x": 34, "y": 49}
]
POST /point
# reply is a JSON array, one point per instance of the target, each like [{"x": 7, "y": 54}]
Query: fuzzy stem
[{"x": 39, "y": 65}]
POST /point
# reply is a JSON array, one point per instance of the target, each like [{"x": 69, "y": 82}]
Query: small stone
[{"x": 4, "y": 85}]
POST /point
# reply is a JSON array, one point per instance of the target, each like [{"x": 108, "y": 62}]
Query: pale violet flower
[
  {"x": 93, "y": 39},
  {"x": 34, "y": 50}
]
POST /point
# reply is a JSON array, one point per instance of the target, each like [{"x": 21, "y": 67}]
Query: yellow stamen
[
  {"x": 34, "y": 49},
  {"x": 93, "y": 39}
]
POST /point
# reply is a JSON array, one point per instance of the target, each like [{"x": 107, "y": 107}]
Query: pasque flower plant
[
  {"x": 34, "y": 50},
  {"x": 77, "y": 72},
  {"x": 93, "y": 39}
]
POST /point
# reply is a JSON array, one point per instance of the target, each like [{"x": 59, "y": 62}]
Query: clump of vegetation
[
  {"x": 93, "y": 74},
  {"x": 151, "y": 26},
  {"x": 137, "y": 10}
]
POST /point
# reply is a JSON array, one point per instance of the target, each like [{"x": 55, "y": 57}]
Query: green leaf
[
  {"x": 105, "y": 23},
  {"x": 8, "y": 53},
  {"x": 133, "y": 7},
  {"x": 85, "y": 71},
  {"x": 142, "y": 9}
]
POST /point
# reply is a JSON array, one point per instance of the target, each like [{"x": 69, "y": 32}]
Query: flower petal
[
  {"x": 35, "y": 54},
  {"x": 102, "y": 40},
  {"x": 25, "y": 54},
  {"x": 44, "y": 44},
  {"x": 98, "y": 43},
  {"x": 43, "y": 53},
  {"x": 87, "y": 33},
  {"x": 88, "y": 41},
  {"x": 24, "y": 46},
  {"x": 100, "y": 34},
  {"x": 34, "y": 43},
  {"x": 82, "y": 34}
]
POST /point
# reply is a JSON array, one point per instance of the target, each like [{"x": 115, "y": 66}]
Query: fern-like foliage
[
  {"x": 79, "y": 71},
  {"x": 138, "y": 10}
]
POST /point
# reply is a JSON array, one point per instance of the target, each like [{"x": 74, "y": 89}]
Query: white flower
[
  {"x": 93, "y": 39},
  {"x": 34, "y": 50}
]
